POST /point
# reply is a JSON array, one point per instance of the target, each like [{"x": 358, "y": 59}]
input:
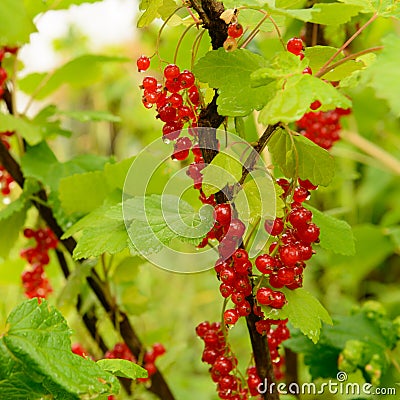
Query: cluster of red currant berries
[
  {"x": 223, "y": 364},
  {"x": 34, "y": 279},
  {"x": 235, "y": 31},
  {"x": 322, "y": 127},
  {"x": 177, "y": 100},
  {"x": 275, "y": 337}
]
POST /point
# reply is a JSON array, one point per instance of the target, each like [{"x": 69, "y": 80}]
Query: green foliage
[
  {"x": 36, "y": 353},
  {"x": 230, "y": 73},
  {"x": 304, "y": 312},
  {"x": 80, "y": 72},
  {"x": 297, "y": 156},
  {"x": 356, "y": 340},
  {"x": 15, "y": 24},
  {"x": 387, "y": 84},
  {"x": 224, "y": 169},
  {"x": 336, "y": 235},
  {"x": 153, "y": 9},
  {"x": 123, "y": 368}
]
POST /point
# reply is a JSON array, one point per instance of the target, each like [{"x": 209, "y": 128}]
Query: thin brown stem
[
  {"x": 353, "y": 56},
  {"x": 326, "y": 66}
]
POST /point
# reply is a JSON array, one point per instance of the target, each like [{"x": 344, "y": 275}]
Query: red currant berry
[
  {"x": 286, "y": 276},
  {"x": 223, "y": 214},
  {"x": 231, "y": 316},
  {"x": 308, "y": 233},
  {"x": 299, "y": 216},
  {"x": 149, "y": 83},
  {"x": 315, "y": 105},
  {"x": 186, "y": 79},
  {"x": 265, "y": 263},
  {"x": 306, "y": 184},
  {"x": 171, "y": 71},
  {"x": 289, "y": 254},
  {"x": 143, "y": 63},
  {"x": 235, "y": 30},
  {"x": 236, "y": 228},
  {"x": 264, "y": 296},
  {"x": 274, "y": 227},
  {"x": 307, "y": 71},
  {"x": 300, "y": 194},
  {"x": 295, "y": 46},
  {"x": 279, "y": 300}
]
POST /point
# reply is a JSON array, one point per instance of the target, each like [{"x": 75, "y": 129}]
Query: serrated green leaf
[
  {"x": 336, "y": 235},
  {"x": 230, "y": 73},
  {"x": 15, "y": 24},
  {"x": 85, "y": 116},
  {"x": 109, "y": 236},
  {"x": 298, "y": 156},
  {"x": 156, "y": 220},
  {"x": 385, "y": 74},
  {"x": 294, "y": 96},
  {"x": 304, "y": 312},
  {"x": 81, "y": 72},
  {"x": 150, "y": 13},
  {"x": 123, "y": 368},
  {"x": 224, "y": 169},
  {"x": 38, "y": 337},
  {"x": 325, "y": 14}
]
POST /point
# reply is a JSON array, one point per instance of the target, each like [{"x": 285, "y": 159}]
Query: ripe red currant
[
  {"x": 143, "y": 63},
  {"x": 295, "y": 46},
  {"x": 235, "y": 30}
]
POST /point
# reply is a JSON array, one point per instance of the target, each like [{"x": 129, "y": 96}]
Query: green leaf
[
  {"x": 38, "y": 347},
  {"x": 74, "y": 192},
  {"x": 85, "y": 116},
  {"x": 294, "y": 96},
  {"x": 385, "y": 74},
  {"x": 156, "y": 220},
  {"x": 224, "y": 169},
  {"x": 230, "y": 73},
  {"x": 259, "y": 199},
  {"x": 83, "y": 71},
  {"x": 29, "y": 131},
  {"x": 15, "y": 24},
  {"x": 325, "y": 14},
  {"x": 384, "y": 8},
  {"x": 304, "y": 312},
  {"x": 336, "y": 235},
  {"x": 298, "y": 156},
  {"x": 123, "y": 368},
  {"x": 34, "y": 7},
  {"x": 150, "y": 13},
  {"x": 283, "y": 65},
  {"x": 319, "y": 55}
]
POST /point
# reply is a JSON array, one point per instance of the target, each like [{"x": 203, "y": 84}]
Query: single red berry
[
  {"x": 149, "y": 83},
  {"x": 181, "y": 148},
  {"x": 235, "y": 30},
  {"x": 171, "y": 71},
  {"x": 231, "y": 316},
  {"x": 186, "y": 79},
  {"x": 300, "y": 194},
  {"x": 289, "y": 254},
  {"x": 202, "y": 328},
  {"x": 307, "y": 71},
  {"x": 265, "y": 263},
  {"x": 227, "y": 275},
  {"x": 306, "y": 184},
  {"x": 274, "y": 227},
  {"x": 158, "y": 349},
  {"x": 225, "y": 290},
  {"x": 299, "y": 216},
  {"x": 295, "y": 46},
  {"x": 194, "y": 96},
  {"x": 223, "y": 214},
  {"x": 286, "y": 275},
  {"x": 167, "y": 114},
  {"x": 223, "y": 365},
  {"x": 244, "y": 309},
  {"x": 143, "y": 63},
  {"x": 29, "y": 233},
  {"x": 308, "y": 233},
  {"x": 315, "y": 105},
  {"x": 279, "y": 300},
  {"x": 264, "y": 296}
]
